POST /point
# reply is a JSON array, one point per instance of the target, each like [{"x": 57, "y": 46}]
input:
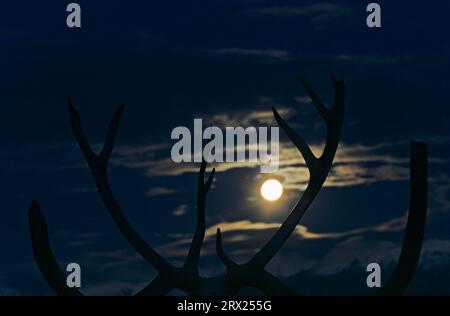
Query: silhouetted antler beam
[
  {"x": 415, "y": 227},
  {"x": 98, "y": 165},
  {"x": 246, "y": 274},
  {"x": 43, "y": 253},
  {"x": 197, "y": 241},
  {"x": 187, "y": 278},
  {"x": 318, "y": 170},
  {"x": 318, "y": 167}
]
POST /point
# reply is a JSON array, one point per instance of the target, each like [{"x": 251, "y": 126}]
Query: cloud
[
  {"x": 243, "y": 235},
  {"x": 84, "y": 239},
  {"x": 248, "y": 118},
  {"x": 440, "y": 193},
  {"x": 137, "y": 156},
  {"x": 157, "y": 191},
  {"x": 244, "y": 226},
  {"x": 262, "y": 53},
  {"x": 317, "y": 11},
  {"x": 361, "y": 251},
  {"x": 114, "y": 272},
  {"x": 354, "y": 164},
  {"x": 8, "y": 291},
  {"x": 114, "y": 258},
  {"x": 180, "y": 210},
  {"x": 302, "y": 99},
  {"x": 374, "y": 59},
  {"x": 148, "y": 150}
]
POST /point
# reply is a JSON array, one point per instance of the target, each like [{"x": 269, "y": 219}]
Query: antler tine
[
  {"x": 298, "y": 141},
  {"x": 229, "y": 264},
  {"x": 77, "y": 130},
  {"x": 339, "y": 96},
  {"x": 186, "y": 278},
  {"x": 318, "y": 170},
  {"x": 43, "y": 253},
  {"x": 107, "y": 149},
  {"x": 197, "y": 241},
  {"x": 317, "y": 101},
  {"x": 98, "y": 164},
  {"x": 415, "y": 227}
]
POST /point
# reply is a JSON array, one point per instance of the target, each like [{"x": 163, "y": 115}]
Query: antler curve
[
  {"x": 169, "y": 277},
  {"x": 253, "y": 270}
]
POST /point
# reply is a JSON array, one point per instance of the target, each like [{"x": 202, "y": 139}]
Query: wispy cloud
[
  {"x": 84, "y": 239},
  {"x": 243, "y": 238},
  {"x": 354, "y": 164},
  {"x": 374, "y": 59},
  {"x": 351, "y": 166},
  {"x": 361, "y": 251},
  {"x": 180, "y": 210},
  {"x": 440, "y": 193},
  {"x": 244, "y": 234},
  {"x": 8, "y": 291},
  {"x": 316, "y": 11},
  {"x": 114, "y": 272},
  {"x": 157, "y": 191},
  {"x": 245, "y": 226},
  {"x": 246, "y": 118},
  {"x": 252, "y": 52}
]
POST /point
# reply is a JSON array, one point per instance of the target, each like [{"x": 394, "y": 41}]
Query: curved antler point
[
  {"x": 70, "y": 106},
  {"x": 35, "y": 214}
]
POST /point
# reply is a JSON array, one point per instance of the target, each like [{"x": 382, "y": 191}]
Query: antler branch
[
  {"x": 43, "y": 253},
  {"x": 98, "y": 165},
  {"x": 318, "y": 170},
  {"x": 197, "y": 241},
  {"x": 415, "y": 227},
  {"x": 186, "y": 278},
  {"x": 253, "y": 272}
]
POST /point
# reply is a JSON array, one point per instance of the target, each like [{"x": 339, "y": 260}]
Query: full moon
[{"x": 271, "y": 190}]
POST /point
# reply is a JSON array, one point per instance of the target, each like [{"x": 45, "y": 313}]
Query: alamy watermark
[{"x": 234, "y": 144}]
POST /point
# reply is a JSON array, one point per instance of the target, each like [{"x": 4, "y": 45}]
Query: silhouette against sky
[{"x": 227, "y": 62}]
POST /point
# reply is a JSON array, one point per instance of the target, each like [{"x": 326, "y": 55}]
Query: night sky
[{"x": 227, "y": 62}]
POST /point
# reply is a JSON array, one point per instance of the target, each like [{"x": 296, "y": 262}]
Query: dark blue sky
[{"x": 227, "y": 62}]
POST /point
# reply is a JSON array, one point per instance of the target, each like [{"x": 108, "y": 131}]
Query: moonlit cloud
[
  {"x": 247, "y": 118},
  {"x": 157, "y": 191},
  {"x": 350, "y": 166},
  {"x": 317, "y": 11},
  {"x": 243, "y": 234},
  {"x": 180, "y": 210},
  {"x": 262, "y": 53},
  {"x": 354, "y": 164}
]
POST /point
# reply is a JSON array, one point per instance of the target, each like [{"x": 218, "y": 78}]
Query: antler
[
  {"x": 44, "y": 255},
  {"x": 415, "y": 226},
  {"x": 98, "y": 165},
  {"x": 187, "y": 278},
  {"x": 197, "y": 241},
  {"x": 169, "y": 277},
  {"x": 253, "y": 271}
]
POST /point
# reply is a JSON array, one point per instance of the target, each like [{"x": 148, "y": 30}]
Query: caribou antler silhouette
[{"x": 252, "y": 273}]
